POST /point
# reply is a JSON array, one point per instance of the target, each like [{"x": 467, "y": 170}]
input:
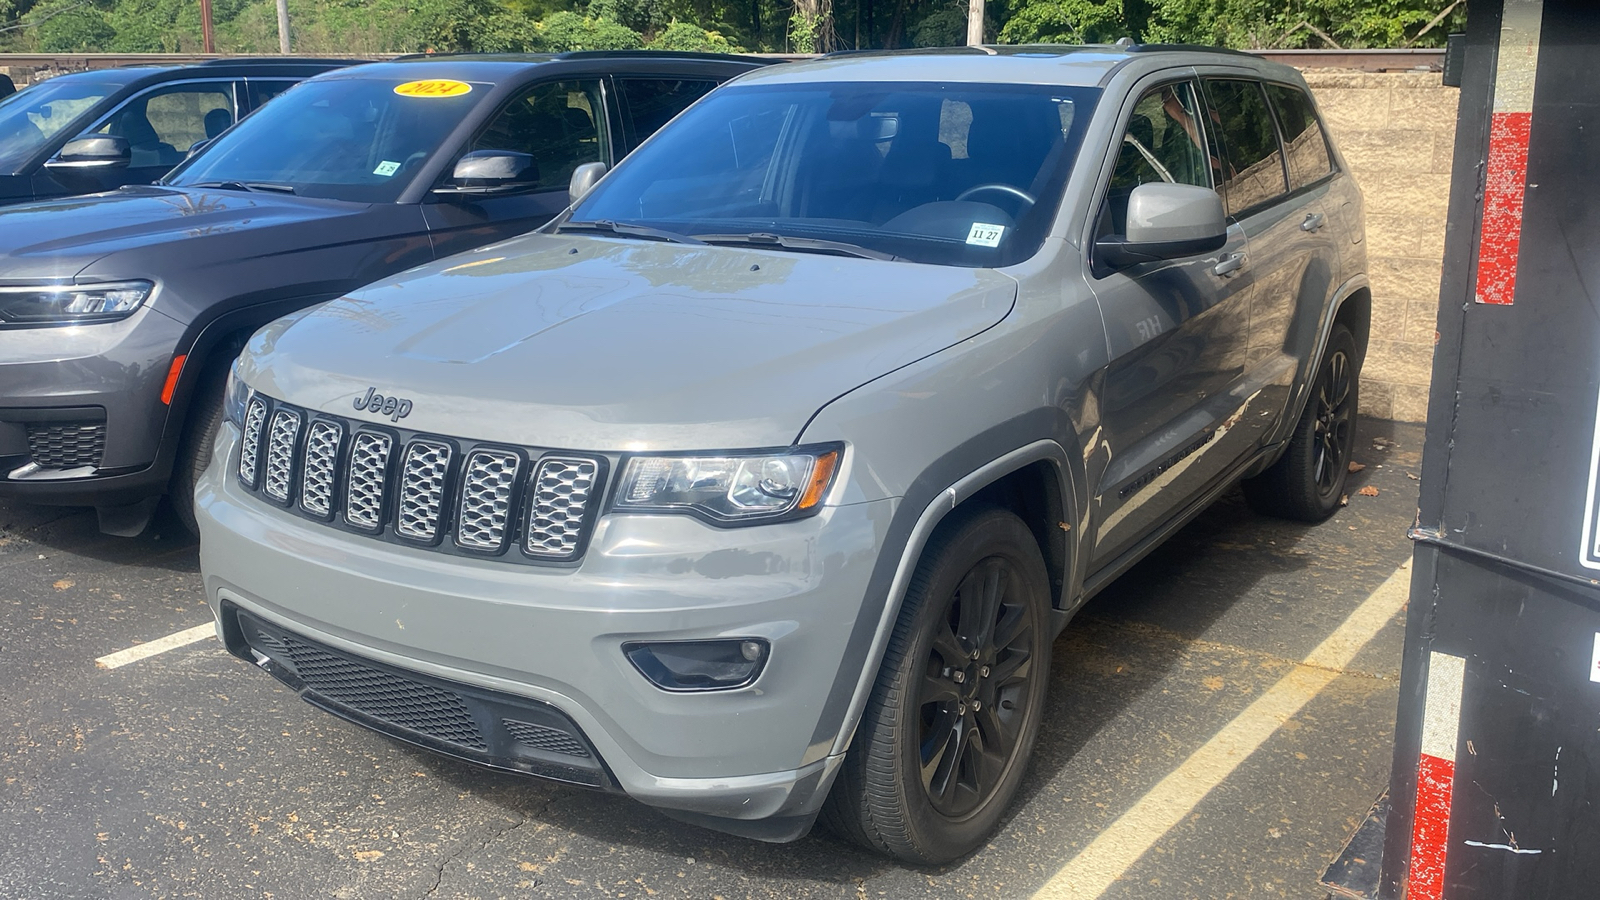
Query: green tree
[
  {"x": 68, "y": 26},
  {"x": 570, "y": 31},
  {"x": 1066, "y": 22},
  {"x": 693, "y": 38}
]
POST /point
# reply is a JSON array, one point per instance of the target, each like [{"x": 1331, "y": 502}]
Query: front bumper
[
  {"x": 754, "y": 760},
  {"x": 108, "y": 375}
]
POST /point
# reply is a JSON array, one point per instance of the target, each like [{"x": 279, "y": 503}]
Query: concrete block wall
[{"x": 1397, "y": 133}]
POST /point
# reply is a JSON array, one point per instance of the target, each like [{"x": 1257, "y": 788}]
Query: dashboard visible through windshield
[{"x": 953, "y": 174}]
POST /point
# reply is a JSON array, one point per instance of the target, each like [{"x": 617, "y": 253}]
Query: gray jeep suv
[{"x": 758, "y": 484}]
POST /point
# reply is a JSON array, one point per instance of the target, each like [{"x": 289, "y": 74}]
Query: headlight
[
  {"x": 234, "y": 396},
  {"x": 69, "y": 304},
  {"x": 732, "y": 488}
]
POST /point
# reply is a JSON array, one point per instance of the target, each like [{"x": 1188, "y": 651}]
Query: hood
[
  {"x": 61, "y": 238},
  {"x": 605, "y": 344}
]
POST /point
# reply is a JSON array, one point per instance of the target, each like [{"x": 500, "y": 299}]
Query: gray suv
[{"x": 758, "y": 484}]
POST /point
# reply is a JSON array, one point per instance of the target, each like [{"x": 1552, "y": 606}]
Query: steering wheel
[{"x": 1028, "y": 199}]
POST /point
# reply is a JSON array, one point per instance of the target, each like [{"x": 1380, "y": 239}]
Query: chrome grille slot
[
  {"x": 281, "y": 439},
  {"x": 422, "y": 489},
  {"x": 487, "y": 480},
  {"x": 369, "y": 467},
  {"x": 561, "y": 491},
  {"x": 255, "y": 415},
  {"x": 322, "y": 455}
]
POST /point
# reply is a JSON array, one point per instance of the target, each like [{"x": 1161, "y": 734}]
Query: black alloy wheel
[
  {"x": 976, "y": 679},
  {"x": 945, "y": 738},
  {"x": 1307, "y": 483}
]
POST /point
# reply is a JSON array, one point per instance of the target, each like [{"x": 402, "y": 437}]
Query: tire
[
  {"x": 1307, "y": 483},
  {"x": 199, "y": 434},
  {"x": 881, "y": 799}
]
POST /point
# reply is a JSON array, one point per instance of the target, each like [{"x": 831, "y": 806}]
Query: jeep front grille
[{"x": 458, "y": 496}]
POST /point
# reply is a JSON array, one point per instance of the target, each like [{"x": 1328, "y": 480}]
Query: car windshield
[
  {"x": 358, "y": 139},
  {"x": 31, "y": 117},
  {"x": 953, "y": 174}
]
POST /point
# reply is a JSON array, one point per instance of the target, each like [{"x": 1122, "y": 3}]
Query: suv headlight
[
  {"x": 234, "y": 396},
  {"x": 730, "y": 488},
  {"x": 70, "y": 304}
]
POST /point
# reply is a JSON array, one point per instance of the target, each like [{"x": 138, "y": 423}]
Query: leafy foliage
[{"x": 341, "y": 27}]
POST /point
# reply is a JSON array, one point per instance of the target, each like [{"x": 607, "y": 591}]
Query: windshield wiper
[
  {"x": 803, "y": 244},
  {"x": 606, "y": 226},
  {"x": 246, "y": 186}
]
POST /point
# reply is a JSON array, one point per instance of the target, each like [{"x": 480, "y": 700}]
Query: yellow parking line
[
  {"x": 160, "y": 645},
  {"x": 1116, "y": 849}
]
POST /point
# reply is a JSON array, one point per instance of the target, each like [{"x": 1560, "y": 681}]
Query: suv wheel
[
  {"x": 199, "y": 434},
  {"x": 1307, "y": 482},
  {"x": 946, "y": 735}
]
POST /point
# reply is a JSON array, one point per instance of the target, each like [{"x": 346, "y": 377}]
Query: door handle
[
  {"x": 1230, "y": 264},
  {"x": 1313, "y": 222}
]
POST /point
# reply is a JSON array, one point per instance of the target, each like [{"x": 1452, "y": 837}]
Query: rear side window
[
  {"x": 652, "y": 102},
  {"x": 1303, "y": 141},
  {"x": 1252, "y": 171}
]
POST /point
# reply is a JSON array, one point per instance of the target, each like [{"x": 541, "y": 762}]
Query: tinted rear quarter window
[
  {"x": 1307, "y": 148},
  {"x": 1253, "y": 165},
  {"x": 652, "y": 102}
]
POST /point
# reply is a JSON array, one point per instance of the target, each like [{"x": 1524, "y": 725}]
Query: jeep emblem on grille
[{"x": 393, "y": 407}]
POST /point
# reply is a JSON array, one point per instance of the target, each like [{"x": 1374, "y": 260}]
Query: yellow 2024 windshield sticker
[{"x": 433, "y": 88}]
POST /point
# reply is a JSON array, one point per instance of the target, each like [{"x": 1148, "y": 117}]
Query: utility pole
[
  {"x": 974, "y": 22},
  {"x": 283, "y": 27},
  {"x": 208, "y": 36}
]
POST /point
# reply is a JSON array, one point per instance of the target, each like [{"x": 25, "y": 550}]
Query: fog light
[{"x": 699, "y": 665}]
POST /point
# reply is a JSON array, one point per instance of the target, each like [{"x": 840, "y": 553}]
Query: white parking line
[
  {"x": 1116, "y": 849},
  {"x": 160, "y": 645}
]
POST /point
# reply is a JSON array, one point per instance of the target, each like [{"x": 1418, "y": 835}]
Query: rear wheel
[
  {"x": 199, "y": 434},
  {"x": 945, "y": 738},
  {"x": 1307, "y": 482}
]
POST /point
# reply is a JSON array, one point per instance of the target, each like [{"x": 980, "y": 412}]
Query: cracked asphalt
[{"x": 190, "y": 774}]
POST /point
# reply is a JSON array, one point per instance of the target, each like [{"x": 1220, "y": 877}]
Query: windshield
[
  {"x": 954, "y": 174},
  {"x": 342, "y": 139},
  {"x": 31, "y": 117}
]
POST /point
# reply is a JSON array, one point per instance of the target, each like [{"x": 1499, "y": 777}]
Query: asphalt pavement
[{"x": 191, "y": 774}]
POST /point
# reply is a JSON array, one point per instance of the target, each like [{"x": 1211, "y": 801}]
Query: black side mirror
[
  {"x": 1166, "y": 221},
  {"x": 492, "y": 172},
  {"x": 99, "y": 151}
]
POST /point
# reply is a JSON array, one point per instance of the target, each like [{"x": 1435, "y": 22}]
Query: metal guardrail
[{"x": 1362, "y": 60}]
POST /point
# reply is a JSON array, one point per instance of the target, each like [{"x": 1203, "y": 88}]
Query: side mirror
[
  {"x": 94, "y": 152},
  {"x": 492, "y": 172},
  {"x": 1166, "y": 221},
  {"x": 583, "y": 180}
]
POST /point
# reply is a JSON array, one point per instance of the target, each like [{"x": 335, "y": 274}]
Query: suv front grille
[
  {"x": 66, "y": 445},
  {"x": 453, "y": 495}
]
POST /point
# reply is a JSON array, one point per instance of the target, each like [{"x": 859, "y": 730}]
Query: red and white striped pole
[
  {"x": 1436, "y": 776},
  {"x": 1506, "y": 174}
]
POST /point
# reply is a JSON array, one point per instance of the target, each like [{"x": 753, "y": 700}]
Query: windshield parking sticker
[
  {"x": 433, "y": 88},
  {"x": 386, "y": 168},
  {"x": 985, "y": 235}
]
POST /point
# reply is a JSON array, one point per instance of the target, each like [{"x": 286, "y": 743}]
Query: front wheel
[
  {"x": 1307, "y": 482},
  {"x": 199, "y": 434},
  {"x": 945, "y": 738}
]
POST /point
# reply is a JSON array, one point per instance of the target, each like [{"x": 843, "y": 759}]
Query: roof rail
[
  {"x": 657, "y": 54},
  {"x": 1195, "y": 48},
  {"x": 279, "y": 60}
]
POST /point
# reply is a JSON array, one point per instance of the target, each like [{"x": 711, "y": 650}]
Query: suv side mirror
[
  {"x": 492, "y": 172},
  {"x": 583, "y": 180},
  {"x": 97, "y": 151},
  {"x": 1166, "y": 221}
]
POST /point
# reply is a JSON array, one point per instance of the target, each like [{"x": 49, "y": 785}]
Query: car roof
[
  {"x": 1070, "y": 65},
  {"x": 490, "y": 66}
]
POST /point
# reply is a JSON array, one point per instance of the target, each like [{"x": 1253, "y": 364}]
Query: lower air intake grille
[
  {"x": 484, "y": 726},
  {"x": 66, "y": 445}
]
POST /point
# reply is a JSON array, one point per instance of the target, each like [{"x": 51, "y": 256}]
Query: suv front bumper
[
  {"x": 753, "y": 760},
  {"x": 104, "y": 380}
]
